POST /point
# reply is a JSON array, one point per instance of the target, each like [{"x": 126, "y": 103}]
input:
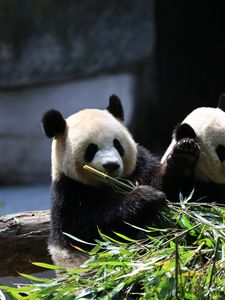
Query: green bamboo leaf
[
  {"x": 126, "y": 238},
  {"x": 189, "y": 196},
  {"x": 80, "y": 249},
  {"x": 188, "y": 225},
  {"x": 34, "y": 278},
  {"x": 96, "y": 249},
  {"x": 78, "y": 240},
  {"x": 181, "y": 198},
  {"x": 148, "y": 269},
  {"x": 115, "y": 291},
  {"x": 107, "y": 262},
  {"x": 47, "y": 266},
  {"x": 108, "y": 238}
]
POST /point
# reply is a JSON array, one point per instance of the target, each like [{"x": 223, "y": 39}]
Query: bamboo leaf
[
  {"x": 34, "y": 278},
  {"x": 78, "y": 240},
  {"x": 47, "y": 266},
  {"x": 126, "y": 238}
]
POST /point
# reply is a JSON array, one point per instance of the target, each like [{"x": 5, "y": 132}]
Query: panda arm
[
  {"x": 176, "y": 173},
  {"x": 139, "y": 207},
  {"x": 143, "y": 201},
  {"x": 81, "y": 210}
]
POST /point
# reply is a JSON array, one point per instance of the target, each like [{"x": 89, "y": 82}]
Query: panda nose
[{"x": 111, "y": 167}]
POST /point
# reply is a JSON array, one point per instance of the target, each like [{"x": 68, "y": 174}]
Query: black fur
[
  {"x": 119, "y": 147},
  {"x": 220, "y": 151},
  {"x": 53, "y": 123},
  {"x": 115, "y": 107},
  {"x": 90, "y": 152},
  {"x": 184, "y": 131},
  {"x": 221, "y": 102},
  {"x": 178, "y": 170},
  {"x": 209, "y": 192},
  {"x": 79, "y": 209},
  {"x": 179, "y": 175}
]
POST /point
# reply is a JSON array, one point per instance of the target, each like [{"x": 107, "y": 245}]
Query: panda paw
[
  {"x": 187, "y": 148},
  {"x": 148, "y": 198},
  {"x": 185, "y": 155}
]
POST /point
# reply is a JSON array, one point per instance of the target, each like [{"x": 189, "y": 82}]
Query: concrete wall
[{"x": 24, "y": 150}]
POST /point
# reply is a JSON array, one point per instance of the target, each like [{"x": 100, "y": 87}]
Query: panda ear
[
  {"x": 221, "y": 102},
  {"x": 53, "y": 123},
  {"x": 184, "y": 130},
  {"x": 115, "y": 107}
]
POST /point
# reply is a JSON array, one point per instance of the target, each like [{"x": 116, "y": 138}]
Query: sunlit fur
[
  {"x": 86, "y": 127},
  {"x": 81, "y": 204},
  {"x": 83, "y": 128},
  {"x": 209, "y": 126},
  {"x": 67, "y": 258}
]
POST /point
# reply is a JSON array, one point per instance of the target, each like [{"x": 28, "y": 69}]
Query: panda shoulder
[{"x": 144, "y": 156}]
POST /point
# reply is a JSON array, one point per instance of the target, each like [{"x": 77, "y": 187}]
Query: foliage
[{"x": 184, "y": 259}]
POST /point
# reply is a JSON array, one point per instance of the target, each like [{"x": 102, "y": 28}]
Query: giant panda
[
  {"x": 201, "y": 135},
  {"x": 82, "y": 204}
]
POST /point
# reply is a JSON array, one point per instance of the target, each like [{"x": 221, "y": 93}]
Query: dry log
[{"x": 23, "y": 239}]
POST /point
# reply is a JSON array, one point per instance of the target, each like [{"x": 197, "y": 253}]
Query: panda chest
[{"x": 88, "y": 198}]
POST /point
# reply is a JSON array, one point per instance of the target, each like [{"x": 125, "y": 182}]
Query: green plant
[{"x": 183, "y": 259}]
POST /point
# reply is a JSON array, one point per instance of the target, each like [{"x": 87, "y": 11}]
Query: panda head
[
  {"x": 91, "y": 136},
  {"x": 207, "y": 126}
]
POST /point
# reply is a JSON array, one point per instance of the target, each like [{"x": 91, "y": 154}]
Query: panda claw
[
  {"x": 185, "y": 154},
  {"x": 186, "y": 146}
]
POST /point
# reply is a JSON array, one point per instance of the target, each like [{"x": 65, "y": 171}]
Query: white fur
[
  {"x": 65, "y": 258},
  {"x": 92, "y": 126},
  {"x": 168, "y": 150},
  {"x": 209, "y": 126},
  {"x": 107, "y": 154}
]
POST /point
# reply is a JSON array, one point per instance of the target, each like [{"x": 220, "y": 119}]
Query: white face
[
  {"x": 93, "y": 137},
  {"x": 105, "y": 157},
  {"x": 209, "y": 126}
]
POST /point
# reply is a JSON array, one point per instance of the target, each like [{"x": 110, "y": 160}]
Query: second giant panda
[{"x": 201, "y": 135}]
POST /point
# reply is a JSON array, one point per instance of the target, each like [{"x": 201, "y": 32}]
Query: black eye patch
[
  {"x": 90, "y": 152},
  {"x": 184, "y": 131},
  {"x": 119, "y": 147},
  {"x": 220, "y": 151}
]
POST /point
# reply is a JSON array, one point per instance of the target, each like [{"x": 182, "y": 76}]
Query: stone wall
[
  {"x": 46, "y": 40},
  {"x": 50, "y": 55}
]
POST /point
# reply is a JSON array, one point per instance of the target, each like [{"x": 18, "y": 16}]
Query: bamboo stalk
[{"x": 109, "y": 179}]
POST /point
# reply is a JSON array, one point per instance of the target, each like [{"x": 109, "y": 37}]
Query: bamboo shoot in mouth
[{"x": 125, "y": 186}]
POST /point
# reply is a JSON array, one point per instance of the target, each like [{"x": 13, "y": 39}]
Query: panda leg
[{"x": 68, "y": 259}]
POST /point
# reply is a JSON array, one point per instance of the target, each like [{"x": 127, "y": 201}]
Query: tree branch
[{"x": 23, "y": 239}]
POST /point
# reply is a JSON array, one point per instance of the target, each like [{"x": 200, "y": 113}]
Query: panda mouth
[
  {"x": 97, "y": 173},
  {"x": 111, "y": 168}
]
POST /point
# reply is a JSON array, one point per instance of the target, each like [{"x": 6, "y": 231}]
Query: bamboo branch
[
  {"x": 111, "y": 180},
  {"x": 23, "y": 239}
]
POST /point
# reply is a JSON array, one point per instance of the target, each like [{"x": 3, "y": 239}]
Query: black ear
[
  {"x": 115, "y": 107},
  {"x": 53, "y": 123},
  {"x": 184, "y": 131},
  {"x": 221, "y": 102}
]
